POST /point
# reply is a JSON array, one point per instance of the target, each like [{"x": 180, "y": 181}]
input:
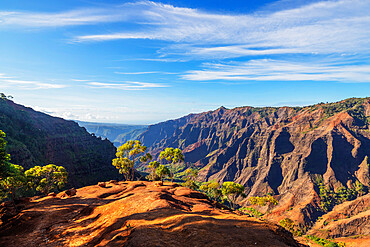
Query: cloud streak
[
  {"x": 323, "y": 27},
  {"x": 276, "y": 70},
  {"x": 10, "y": 82},
  {"x": 320, "y": 27},
  {"x": 326, "y": 28},
  {"x": 127, "y": 85}
]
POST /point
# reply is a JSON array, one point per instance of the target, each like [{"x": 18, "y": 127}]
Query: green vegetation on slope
[
  {"x": 35, "y": 138},
  {"x": 329, "y": 198},
  {"x": 15, "y": 183}
]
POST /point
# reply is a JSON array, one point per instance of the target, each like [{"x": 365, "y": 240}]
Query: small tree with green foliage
[
  {"x": 162, "y": 172},
  {"x": 4, "y": 157},
  {"x": 15, "y": 181},
  {"x": 127, "y": 155},
  {"x": 46, "y": 178},
  {"x": 173, "y": 156},
  {"x": 153, "y": 166},
  {"x": 212, "y": 189},
  {"x": 190, "y": 177},
  {"x": 360, "y": 188},
  {"x": 232, "y": 190},
  {"x": 262, "y": 200}
]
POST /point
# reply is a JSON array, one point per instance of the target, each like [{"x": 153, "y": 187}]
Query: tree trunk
[
  {"x": 133, "y": 169},
  {"x": 172, "y": 173}
]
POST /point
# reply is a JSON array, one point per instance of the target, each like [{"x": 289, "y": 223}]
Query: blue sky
[{"x": 149, "y": 61}]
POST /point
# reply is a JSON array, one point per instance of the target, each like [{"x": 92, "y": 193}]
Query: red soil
[{"x": 136, "y": 214}]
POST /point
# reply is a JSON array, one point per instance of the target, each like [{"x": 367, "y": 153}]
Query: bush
[{"x": 324, "y": 242}]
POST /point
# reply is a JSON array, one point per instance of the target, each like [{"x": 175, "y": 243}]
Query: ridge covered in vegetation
[{"x": 35, "y": 138}]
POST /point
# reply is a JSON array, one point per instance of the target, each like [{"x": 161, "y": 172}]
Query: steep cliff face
[
  {"x": 282, "y": 151},
  {"x": 35, "y": 138}
]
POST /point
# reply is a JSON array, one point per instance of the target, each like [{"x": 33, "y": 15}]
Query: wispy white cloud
[
  {"x": 69, "y": 18},
  {"x": 127, "y": 85},
  {"x": 334, "y": 28},
  {"x": 144, "y": 73},
  {"x": 322, "y": 27},
  {"x": 275, "y": 70},
  {"x": 319, "y": 27},
  {"x": 9, "y": 82},
  {"x": 137, "y": 73},
  {"x": 79, "y": 80}
]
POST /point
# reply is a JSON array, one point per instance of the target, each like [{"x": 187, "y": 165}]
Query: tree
[
  {"x": 4, "y": 97},
  {"x": 12, "y": 183},
  {"x": 191, "y": 175},
  {"x": 4, "y": 157},
  {"x": 212, "y": 188},
  {"x": 262, "y": 200},
  {"x": 232, "y": 190},
  {"x": 153, "y": 166},
  {"x": 46, "y": 178},
  {"x": 162, "y": 171},
  {"x": 127, "y": 155},
  {"x": 173, "y": 157}
]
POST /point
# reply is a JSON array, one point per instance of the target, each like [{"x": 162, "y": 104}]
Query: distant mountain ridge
[
  {"x": 280, "y": 150},
  {"x": 116, "y": 133},
  {"x": 35, "y": 138}
]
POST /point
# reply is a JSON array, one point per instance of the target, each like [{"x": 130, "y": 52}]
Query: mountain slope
[
  {"x": 116, "y": 133},
  {"x": 285, "y": 151},
  {"x": 35, "y": 138}
]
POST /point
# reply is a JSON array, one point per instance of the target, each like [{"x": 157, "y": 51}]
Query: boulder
[
  {"x": 52, "y": 194},
  {"x": 102, "y": 184},
  {"x": 71, "y": 192}
]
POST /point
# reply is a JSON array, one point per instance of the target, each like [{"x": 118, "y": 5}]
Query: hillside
[
  {"x": 35, "y": 138},
  {"x": 116, "y": 133},
  {"x": 350, "y": 218},
  {"x": 136, "y": 214},
  {"x": 285, "y": 151}
]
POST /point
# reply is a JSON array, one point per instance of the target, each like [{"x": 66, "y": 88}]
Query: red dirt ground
[{"x": 136, "y": 214}]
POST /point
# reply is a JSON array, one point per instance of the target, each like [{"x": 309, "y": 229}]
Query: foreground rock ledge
[{"x": 136, "y": 214}]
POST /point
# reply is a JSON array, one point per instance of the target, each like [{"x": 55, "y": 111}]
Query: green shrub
[{"x": 325, "y": 242}]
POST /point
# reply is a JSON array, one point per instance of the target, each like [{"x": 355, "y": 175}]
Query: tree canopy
[
  {"x": 173, "y": 156},
  {"x": 14, "y": 181},
  {"x": 4, "y": 157},
  {"x": 153, "y": 166},
  {"x": 127, "y": 155},
  {"x": 46, "y": 178},
  {"x": 212, "y": 188},
  {"x": 232, "y": 190},
  {"x": 162, "y": 171}
]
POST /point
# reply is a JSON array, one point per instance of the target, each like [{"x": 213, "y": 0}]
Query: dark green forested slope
[{"x": 35, "y": 138}]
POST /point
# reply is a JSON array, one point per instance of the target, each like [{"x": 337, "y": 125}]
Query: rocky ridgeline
[
  {"x": 284, "y": 151},
  {"x": 35, "y": 138}
]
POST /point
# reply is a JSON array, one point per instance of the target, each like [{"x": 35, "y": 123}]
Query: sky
[{"x": 142, "y": 62}]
